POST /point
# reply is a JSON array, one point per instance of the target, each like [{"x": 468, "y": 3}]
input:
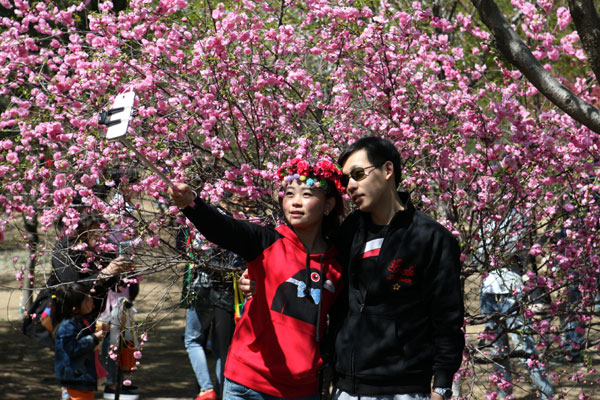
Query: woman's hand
[
  {"x": 116, "y": 266},
  {"x": 247, "y": 286},
  {"x": 182, "y": 195}
]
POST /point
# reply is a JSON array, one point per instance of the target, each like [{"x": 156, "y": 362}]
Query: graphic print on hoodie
[{"x": 294, "y": 300}]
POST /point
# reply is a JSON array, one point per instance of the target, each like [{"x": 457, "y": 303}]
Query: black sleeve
[
  {"x": 64, "y": 264},
  {"x": 244, "y": 238},
  {"x": 337, "y": 316},
  {"x": 446, "y": 306}
]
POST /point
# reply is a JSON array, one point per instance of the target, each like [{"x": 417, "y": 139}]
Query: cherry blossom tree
[{"x": 227, "y": 91}]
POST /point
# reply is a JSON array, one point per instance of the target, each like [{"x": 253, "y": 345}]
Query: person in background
[
  {"x": 275, "y": 349},
  {"x": 78, "y": 258},
  {"x": 122, "y": 235},
  {"x": 501, "y": 292},
  {"x": 76, "y": 340},
  {"x": 209, "y": 299}
]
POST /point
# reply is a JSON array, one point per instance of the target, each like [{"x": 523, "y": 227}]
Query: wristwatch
[{"x": 446, "y": 393}]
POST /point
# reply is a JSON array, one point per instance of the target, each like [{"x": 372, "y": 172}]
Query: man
[{"x": 401, "y": 324}]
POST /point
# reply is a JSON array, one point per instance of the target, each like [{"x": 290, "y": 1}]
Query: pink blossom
[
  {"x": 12, "y": 157},
  {"x": 6, "y": 144},
  {"x": 60, "y": 181},
  {"x": 564, "y": 17},
  {"x": 536, "y": 250},
  {"x": 153, "y": 241}
]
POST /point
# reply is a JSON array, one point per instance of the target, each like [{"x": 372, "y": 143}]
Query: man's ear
[{"x": 389, "y": 170}]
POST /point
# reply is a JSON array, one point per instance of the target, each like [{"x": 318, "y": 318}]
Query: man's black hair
[{"x": 378, "y": 152}]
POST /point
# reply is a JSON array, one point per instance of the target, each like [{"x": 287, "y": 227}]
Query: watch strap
[{"x": 446, "y": 393}]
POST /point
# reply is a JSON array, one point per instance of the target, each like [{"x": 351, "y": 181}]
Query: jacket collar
[{"x": 401, "y": 218}]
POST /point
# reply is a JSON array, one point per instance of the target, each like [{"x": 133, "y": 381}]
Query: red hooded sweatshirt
[{"x": 275, "y": 347}]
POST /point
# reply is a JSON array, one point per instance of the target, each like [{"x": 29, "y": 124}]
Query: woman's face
[
  {"x": 303, "y": 206},
  {"x": 92, "y": 235}
]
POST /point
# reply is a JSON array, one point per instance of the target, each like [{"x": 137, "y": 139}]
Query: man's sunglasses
[{"x": 358, "y": 174}]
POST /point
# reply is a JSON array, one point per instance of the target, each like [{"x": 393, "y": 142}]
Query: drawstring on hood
[{"x": 318, "y": 335}]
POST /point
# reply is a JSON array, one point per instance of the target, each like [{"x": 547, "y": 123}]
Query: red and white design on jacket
[
  {"x": 372, "y": 248},
  {"x": 400, "y": 272}
]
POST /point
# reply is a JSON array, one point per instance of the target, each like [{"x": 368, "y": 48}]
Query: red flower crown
[{"x": 318, "y": 175}]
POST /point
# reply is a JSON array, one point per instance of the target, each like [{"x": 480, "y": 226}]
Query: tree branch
[
  {"x": 518, "y": 54},
  {"x": 587, "y": 22}
]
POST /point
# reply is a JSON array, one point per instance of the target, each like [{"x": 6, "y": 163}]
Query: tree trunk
[
  {"x": 587, "y": 22},
  {"x": 33, "y": 240},
  {"x": 518, "y": 54}
]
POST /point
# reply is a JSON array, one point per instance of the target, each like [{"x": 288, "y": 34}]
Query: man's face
[{"x": 368, "y": 189}]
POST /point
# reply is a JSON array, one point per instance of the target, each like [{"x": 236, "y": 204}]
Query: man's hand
[
  {"x": 247, "y": 286},
  {"x": 182, "y": 195},
  {"x": 435, "y": 396}
]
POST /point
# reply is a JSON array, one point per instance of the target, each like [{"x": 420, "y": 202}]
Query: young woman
[
  {"x": 75, "y": 340},
  {"x": 275, "y": 347}
]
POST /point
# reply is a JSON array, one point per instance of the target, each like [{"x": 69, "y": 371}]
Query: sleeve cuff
[{"x": 443, "y": 379}]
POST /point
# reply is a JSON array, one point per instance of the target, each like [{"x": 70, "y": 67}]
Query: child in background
[{"x": 75, "y": 358}]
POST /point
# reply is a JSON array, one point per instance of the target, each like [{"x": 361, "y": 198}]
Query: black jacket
[{"x": 405, "y": 325}]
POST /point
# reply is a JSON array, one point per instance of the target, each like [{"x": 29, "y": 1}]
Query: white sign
[{"x": 119, "y": 115}]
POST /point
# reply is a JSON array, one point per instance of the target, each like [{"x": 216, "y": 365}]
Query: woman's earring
[{"x": 326, "y": 213}]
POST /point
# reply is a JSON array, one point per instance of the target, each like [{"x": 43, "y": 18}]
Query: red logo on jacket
[{"x": 399, "y": 272}]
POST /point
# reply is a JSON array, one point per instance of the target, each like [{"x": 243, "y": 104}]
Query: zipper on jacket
[
  {"x": 362, "y": 307},
  {"x": 353, "y": 355}
]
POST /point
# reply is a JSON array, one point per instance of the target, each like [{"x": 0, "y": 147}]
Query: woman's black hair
[
  {"x": 67, "y": 298},
  {"x": 332, "y": 221}
]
